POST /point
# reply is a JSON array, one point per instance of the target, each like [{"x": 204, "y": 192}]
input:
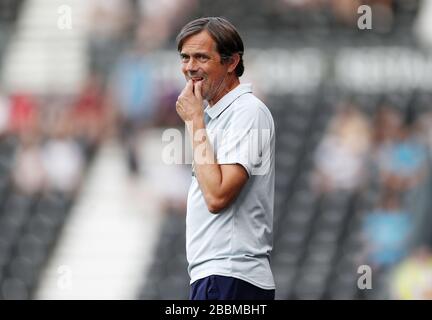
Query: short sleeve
[{"x": 247, "y": 141}]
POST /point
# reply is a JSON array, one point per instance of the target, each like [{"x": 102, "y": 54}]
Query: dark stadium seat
[
  {"x": 28, "y": 230},
  {"x": 285, "y": 279},
  {"x": 169, "y": 269},
  {"x": 15, "y": 212},
  {"x": 14, "y": 289},
  {"x": 319, "y": 254},
  {"x": 289, "y": 142},
  {"x": 311, "y": 283},
  {"x": 33, "y": 247},
  {"x": 5, "y": 246},
  {"x": 286, "y": 255},
  {"x": 23, "y": 268},
  {"x": 328, "y": 236}
]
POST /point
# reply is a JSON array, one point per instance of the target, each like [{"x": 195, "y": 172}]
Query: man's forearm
[{"x": 207, "y": 170}]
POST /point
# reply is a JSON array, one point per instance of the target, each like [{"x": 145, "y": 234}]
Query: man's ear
[{"x": 233, "y": 62}]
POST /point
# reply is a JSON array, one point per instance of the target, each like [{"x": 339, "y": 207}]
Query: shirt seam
[{"x": 237, "y": 276}]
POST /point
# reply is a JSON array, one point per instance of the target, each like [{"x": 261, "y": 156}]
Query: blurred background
[{"x": 88, "y": 208}]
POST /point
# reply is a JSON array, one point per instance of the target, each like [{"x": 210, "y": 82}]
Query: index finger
[{"x": 188, "y": 87}]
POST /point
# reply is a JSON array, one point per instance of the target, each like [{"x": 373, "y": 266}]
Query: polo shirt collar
[{"x": 226, "y": 100}]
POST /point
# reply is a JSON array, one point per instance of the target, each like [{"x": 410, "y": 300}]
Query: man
[{"x": 229, "y": 219}]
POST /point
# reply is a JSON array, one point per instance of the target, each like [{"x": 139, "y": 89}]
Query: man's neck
[{"x": 232, "y": 83}]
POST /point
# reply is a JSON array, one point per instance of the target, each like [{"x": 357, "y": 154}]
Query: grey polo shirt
[{"x": 237, "y": 241}]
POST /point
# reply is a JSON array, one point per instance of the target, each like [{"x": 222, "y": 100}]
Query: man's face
[{"x": 201, "y": 62}]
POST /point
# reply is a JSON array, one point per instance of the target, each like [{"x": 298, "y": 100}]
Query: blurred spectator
[
  {"x": 136, "y": 93},
  {"x": 109, "y": 24},
  {"x": 23, "y": 114},
  {"x": 63, "y": 162},
  {"x": 402, "y": 162},
  {"x": 28, "y": 172},
  {"x": 412, "y": 279},
  {"x": 383, "y": 14},
  {"x": 387, "y": 123},
  {"x": 160, "y": 19},
  {"x": 386, "y": 230},
  {"x": 89, "y": 115},
  {"x": 166, "y": 114},
  {"x": 401, "y": 165},
  {"x": 340, "y": 157},
  {"x": 425, "y": 126},
  {"x": 345, "y": 11}
]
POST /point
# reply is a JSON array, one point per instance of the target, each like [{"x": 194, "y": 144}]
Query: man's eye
[
  {"x": 202, "y": 58},
  {"x": 184, "y": 58}
]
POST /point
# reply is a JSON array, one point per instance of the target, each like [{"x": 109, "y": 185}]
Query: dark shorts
[{"x": 227, "y": 288}]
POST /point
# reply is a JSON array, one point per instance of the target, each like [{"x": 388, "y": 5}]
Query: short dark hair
[{"x": 228, "y": 41}]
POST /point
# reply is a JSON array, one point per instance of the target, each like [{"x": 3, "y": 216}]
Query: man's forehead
[{"x": 199, "y": 42}]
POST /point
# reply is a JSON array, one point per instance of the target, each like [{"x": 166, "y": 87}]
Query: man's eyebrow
[
  {"x": 202, "y": 54},
  {"x": 196, "y": 54}
]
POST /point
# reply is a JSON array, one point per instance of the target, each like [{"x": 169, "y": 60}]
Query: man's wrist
[
  {"x": 197, "y": 131},
  {"x": 196, "y": 123}
]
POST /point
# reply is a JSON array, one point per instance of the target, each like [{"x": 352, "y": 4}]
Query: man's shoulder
[
  {"x": 248, "y": 99},
  {"x": 250, "y": 103},
  {"x": 248, "y": 107}
]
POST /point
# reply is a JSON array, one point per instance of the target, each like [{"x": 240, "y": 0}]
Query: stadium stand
[{"x": 29, "y": 222}]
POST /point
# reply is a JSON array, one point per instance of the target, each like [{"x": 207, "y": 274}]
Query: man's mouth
[{"x": 195, "y": 79}]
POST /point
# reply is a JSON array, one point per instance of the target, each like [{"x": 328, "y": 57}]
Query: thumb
[{"x": 197, "y": 90}]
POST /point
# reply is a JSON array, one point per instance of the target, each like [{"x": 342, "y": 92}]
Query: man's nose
[{"x": 191, "y": 65}]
